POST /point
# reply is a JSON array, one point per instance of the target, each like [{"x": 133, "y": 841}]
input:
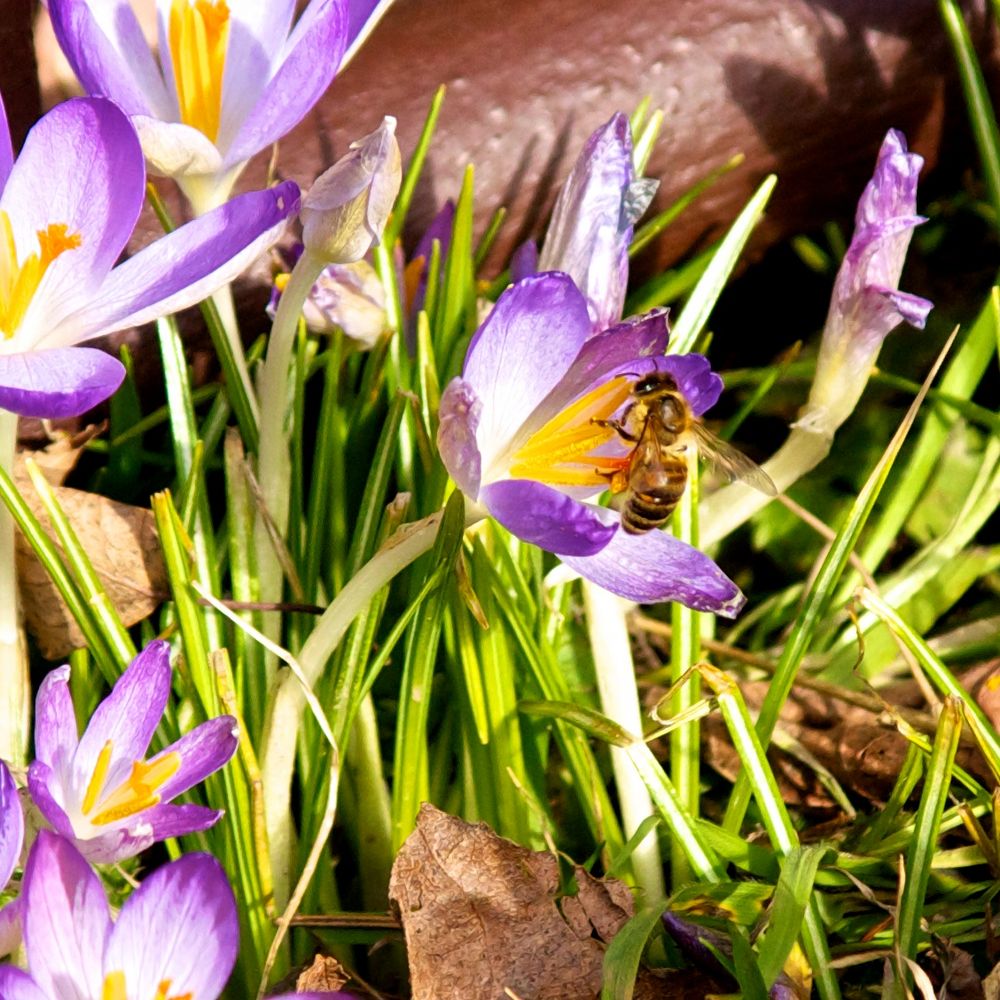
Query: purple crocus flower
[
  {"x": 232, "y": 76},
  {"x": 176, "y": 936},
  {"x": 68, "y": 207},
  {"x": 867, "y": 303},
  {"x": 517, "y": 434},
  {"x": 591, "y": 227},
  {"x": 98, "y": 790},
  {"x": 11, "y": 841}
]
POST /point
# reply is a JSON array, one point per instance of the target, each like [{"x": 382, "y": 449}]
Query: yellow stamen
[
  {"x": 199, "y": 34},
  {"x": 20, "y": 281},
  {"x": 561, "y": 452},
  {"x": 163, "y": 992},
  {"x": 139, "y": 790},
  {"x": 114, "y": 987},
  {"x": 96, "y": 783}
]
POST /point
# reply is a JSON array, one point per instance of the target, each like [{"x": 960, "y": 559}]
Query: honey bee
[{"x": 661, "y": 425}]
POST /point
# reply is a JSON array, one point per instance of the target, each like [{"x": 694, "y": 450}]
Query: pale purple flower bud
[
  {"x": 11, "y": 842},
  {"x": 346, "y": 210},
  {"x": 867, "y": 303},
  {"x": 593, "y": 218},
  {"x": 349, "y": 297}
]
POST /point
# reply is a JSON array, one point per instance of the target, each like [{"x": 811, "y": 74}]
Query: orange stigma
[{"x": 139, "y": 791}]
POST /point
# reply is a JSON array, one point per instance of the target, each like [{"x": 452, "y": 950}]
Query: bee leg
[{"x": 617, "y": 426}]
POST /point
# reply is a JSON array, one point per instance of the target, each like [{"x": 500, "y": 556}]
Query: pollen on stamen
[
  {"x": 562, "y": 452},
  {"x": 199, "y": 36}
]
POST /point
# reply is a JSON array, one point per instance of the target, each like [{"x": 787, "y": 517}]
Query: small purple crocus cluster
[{"x": 106, "y": 802}]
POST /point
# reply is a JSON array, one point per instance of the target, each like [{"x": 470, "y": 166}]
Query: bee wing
[
  {"x": 731, "y": 461},
  {"x": 646, "y": 468}
]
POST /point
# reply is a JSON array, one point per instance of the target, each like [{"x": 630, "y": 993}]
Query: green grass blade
[
  {"x": 621, "y": 960},
  {"x": 699, "y": 305}
]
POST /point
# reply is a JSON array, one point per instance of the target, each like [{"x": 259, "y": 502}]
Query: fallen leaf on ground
[
  {"x": 122, "y": 545},
  {"x": 484, "y": 918},
  {"x": 325, "y": 975}
]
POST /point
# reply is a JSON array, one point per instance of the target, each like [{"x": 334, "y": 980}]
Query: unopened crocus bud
[
  {"x": 345, "y": 211},
  {"x": 867, "y": 303}
]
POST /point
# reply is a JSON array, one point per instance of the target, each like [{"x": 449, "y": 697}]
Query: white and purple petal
[
  {"x": 310, "y": 60},
  {"x": 459, "y": 415},
  {"x": 657, "y": 567},
  {"x": 519, "y": 354},
  {"x": 545, "y": 517},
  {"x": 362, "y": 17},
  {"x": 6, "y": 149},
  {"x": 56, "y": 733},
  {"x": 16, "y": 984},
  {"x": 104, "y": 44},
  {"x": 173, "y": 149},
  {"x": 59, "y": 382},
  {"x": 202, "y": 751},
  {"x": 188, "y": 908},
  {"x": 11, "y": 825},
  {"x": 100, "y": 203},
  {"x": 168, "y": 820},
  {"x": 591, "y": 225},
  {"x": 66, "y": 920},
  {"x": 126, "y": 719},
  {"x": 185, "y": 266},
  {"x": 11, "y": 932},
  {"x": 49, "y": 791}
]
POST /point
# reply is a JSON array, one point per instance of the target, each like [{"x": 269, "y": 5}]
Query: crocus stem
[
  {"x": 223, "y": 300},
  {"x": 612, "y": 652},
  {"x": 725, "y": 510},
  {"x": 286, "y": 706},
  {"x": 15, "y": 687},
  {"x": 273, "y": 461}
]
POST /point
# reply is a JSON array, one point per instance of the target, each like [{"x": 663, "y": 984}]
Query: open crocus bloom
[
  {"x": 11, "y": 840},
  {"x": 98, "y": 790},
  {"x": 517, "y": 434},
  {"x": 867, "y": 303},
  {"x": 233, "y": 76},
  {"x": 176, "y": 936},
  {"x": 68, "y": 207}
]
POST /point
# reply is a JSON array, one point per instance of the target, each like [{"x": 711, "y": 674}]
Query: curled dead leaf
[{"x": 484, "y": 918}]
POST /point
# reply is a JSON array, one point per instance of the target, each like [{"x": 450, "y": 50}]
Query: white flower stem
[
  {"x": 612, "y": 652},
  {"x": 286, "y": 704},
  {"x": 15, "y": 685},
  {"x": 273, "y": 460},
  {"x": 223, "y": 300},
  {"x": 725, "y": 510}
]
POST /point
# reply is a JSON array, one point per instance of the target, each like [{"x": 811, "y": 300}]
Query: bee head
[{"x": 654, "y": 383}]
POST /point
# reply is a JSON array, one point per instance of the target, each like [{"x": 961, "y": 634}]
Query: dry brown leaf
[
  {"x": 325, "y": 975},
  {"x": 122, "y": 544},
  {"x": 59, "y": 457},
  {"x": 483, "y": 916}
]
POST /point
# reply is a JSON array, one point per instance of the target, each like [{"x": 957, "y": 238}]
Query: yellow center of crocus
[
  {"x": 562, "y": 452},
  {"x": 20, "y": 280},
  {"x": 199, "y": 33},
  {"x": 139, "y": 791},
  {"x": 114, "y": 989}
]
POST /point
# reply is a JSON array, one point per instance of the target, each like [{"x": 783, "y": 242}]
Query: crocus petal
[
  {"x": 187, "y": 265},
  {"x": 524, "y": 261},
  {"x": 312, "y": 56},
  {"x": 908, "y": 308},
  {"x": 66, "y": 919},
  {"x": 127, "y": 718},
  {"x": 591, "y": 227},
  {"x": 173, "y": 149},
  {"x": 640, "y": 339},
  {"x": 6, "y": 149},
  {"x": 257, "y": 34},
  {"x": 117, "y": 844},
  {"x": 16, "y": 984},
  {"x": 456, "y": 439},
  {"x": 56, "y": 383},
  {"x": 188, "y": 909},
  {"x": 522, "y": 350},
  {"x": 56, "y": 735},
  {"x": 693, "y": 374},
  {"x": 43, "y": 786},
  {"x": 11, "y": 825},
  {"x": 168, "y": 820},
  {"x": 362, "y": 17},
  {"x": 203, "y": 751},
  {"x": 657, "y": 567},
  {"x": 547, "y": 518},
  {"x": 101, "y": 203},
  {"x": 104, "y": 44},
  {"x": 10, "y": 930}
]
